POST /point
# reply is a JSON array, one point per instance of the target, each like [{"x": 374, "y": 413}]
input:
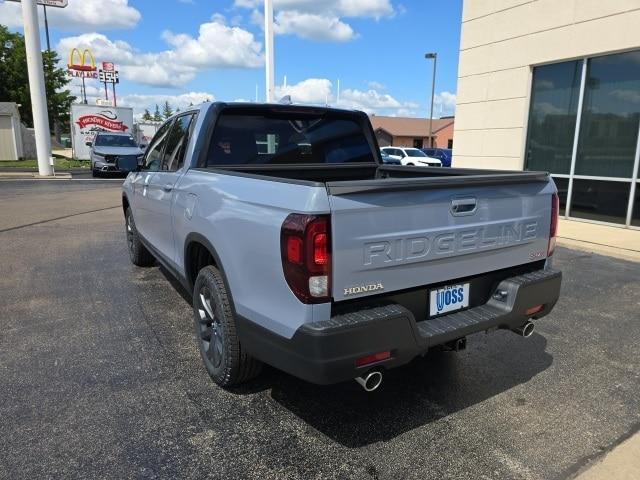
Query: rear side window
[
  {"x": 177, "y": 142},
  {"x": 153, "y": 157},
  {"x": 287, "y": 138}
]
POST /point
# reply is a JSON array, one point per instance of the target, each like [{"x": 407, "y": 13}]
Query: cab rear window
[{"x": 287, "y": 138}]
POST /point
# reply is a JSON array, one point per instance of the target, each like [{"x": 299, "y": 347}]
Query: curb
[
  {"x": 606, "y": 250},
  {"x": 35, "y": 176}
]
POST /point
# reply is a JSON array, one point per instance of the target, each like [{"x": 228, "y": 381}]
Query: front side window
[{"x": 288, "y": 138}]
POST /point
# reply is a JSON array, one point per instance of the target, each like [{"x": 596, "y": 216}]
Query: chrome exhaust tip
[
  {"x": 525, "y": 330},
  {"x": 370, "y": 381}
]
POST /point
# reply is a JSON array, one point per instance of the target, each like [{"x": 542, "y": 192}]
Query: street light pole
[
  {"x": 434, "y": 57},
  {"x": 36, "y": 85},
  {"x": 46, "y": 27}
]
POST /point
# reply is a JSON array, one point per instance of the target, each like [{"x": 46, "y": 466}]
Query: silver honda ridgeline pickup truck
[{"x": 303, "y": 251}]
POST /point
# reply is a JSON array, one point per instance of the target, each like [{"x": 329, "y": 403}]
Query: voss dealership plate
[{"x": 448, "y": 299}]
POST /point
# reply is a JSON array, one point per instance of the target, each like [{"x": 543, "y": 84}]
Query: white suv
[{"x": 411, "y": 156}]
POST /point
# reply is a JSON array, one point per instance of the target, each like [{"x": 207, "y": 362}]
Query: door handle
[
  {"x": 463, "y": 206},
  {"x": 167, "y": 187}
]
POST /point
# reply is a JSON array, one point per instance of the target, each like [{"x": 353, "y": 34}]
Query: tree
[
  {"x": 146, "y": 116},
  {"x": 166, "y": 110},
  {"x": 14, "y": 83},
  {"x": 156, "y": 115}
]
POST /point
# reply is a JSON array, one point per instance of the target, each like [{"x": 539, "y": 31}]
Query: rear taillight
[
  {"x": 305, "y": 243},
  {"x": 553, "y": 229}
]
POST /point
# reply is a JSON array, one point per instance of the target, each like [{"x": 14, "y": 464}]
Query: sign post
[
  {"x": 36, "y": 84},
  {"x": 108, "y": 74}
]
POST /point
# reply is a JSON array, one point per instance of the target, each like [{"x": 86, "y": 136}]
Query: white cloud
[
  {"x": 312, "y": 26},
  {"x": 181, "y": 101},
  {"x": 376, "y": 85},
  {"x": 345, "y": 8},
  {"x": 547, "y": 108},
  {"x": 311, "y": 90},
  {"x": 217, "y": 46},
  {"x": 631, "y": 96},
  {"x": 444, "y": 104},
  {"x": 320, "y": 90},
  {"x": 372, "y": 101},
  {"x": 319, "y": 20},
  {"x": 79, "y": 15}
]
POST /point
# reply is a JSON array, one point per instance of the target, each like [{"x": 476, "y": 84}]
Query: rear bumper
[{"x": 325, "y": 352}]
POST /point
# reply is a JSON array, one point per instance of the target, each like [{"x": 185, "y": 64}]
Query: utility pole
[
  {"x": 36, "y": 86},
  {"x": 434, "y": 57},
  {"x": 268, "y": 48},
  {"x": 46, "y": 27}
]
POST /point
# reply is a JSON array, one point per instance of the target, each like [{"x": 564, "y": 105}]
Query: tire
[
  {"x": 94, "y": 172},
  {"x": 138, "y": 253},
  {"x": 410, "y": 165},
  {"x": 223, "y": 356}
]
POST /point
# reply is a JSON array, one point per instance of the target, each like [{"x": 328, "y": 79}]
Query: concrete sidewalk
[
  {"x": 24, "y": 175},
  {"x": 622, "y": 463},
  {"x": 613, "y": 241}
]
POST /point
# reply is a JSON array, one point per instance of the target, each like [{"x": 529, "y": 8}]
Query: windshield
[
  {"x": 286, "y": 138},
  {"x": 415, "y": 153},
  {"x": 114, "y": 141}
]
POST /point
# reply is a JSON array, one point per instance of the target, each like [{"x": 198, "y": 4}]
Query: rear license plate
[{"x": 448, "y": 299}]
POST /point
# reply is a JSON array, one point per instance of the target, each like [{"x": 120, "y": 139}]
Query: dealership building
[{"x": 555, "y": 86}]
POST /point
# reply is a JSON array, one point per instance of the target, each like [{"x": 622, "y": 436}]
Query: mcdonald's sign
[{"x": 82, "y": 68}]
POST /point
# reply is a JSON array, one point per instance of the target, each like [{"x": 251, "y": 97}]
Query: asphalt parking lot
[{"x": 100, "y": 376}]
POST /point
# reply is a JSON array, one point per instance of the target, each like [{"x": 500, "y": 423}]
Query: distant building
[
  {"x": 10, "y": 132},
  {"x": 555, "y": 86},
  {"x": 412, "y": 132}
]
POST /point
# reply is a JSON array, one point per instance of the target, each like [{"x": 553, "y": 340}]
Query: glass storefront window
[
  {"x": 635, "y": 216},
  {"x": 610, "y": 114},
  {"x": 600, "y": 200},
  {"x": 552, "y": 118},
  {"x": 562, "y": 184}
]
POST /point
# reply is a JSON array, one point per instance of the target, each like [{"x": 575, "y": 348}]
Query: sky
[{"x": 187, "y": 51}]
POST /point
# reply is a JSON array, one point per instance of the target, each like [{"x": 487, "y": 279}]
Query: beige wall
[{"x": 500, "y": 42}]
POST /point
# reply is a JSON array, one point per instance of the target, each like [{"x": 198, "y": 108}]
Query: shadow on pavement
[{"x": 424, "y": 391}]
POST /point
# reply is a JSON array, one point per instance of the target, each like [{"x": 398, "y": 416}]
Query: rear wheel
[
  {"x": 138, "y": 253},
  {"x": 223, "y": 356}
]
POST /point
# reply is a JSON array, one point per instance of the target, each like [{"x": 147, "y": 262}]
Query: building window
[
  {"x": 635, "y": 218},
  {"x": 450, "y": 143},
  {"x": 417, "y": 143},
  {"x": 610, "y": 113},
  {"x": 552, "y": 116},
  {"x": 592, "y": 153},
  {"x": 600, "y": 200}
]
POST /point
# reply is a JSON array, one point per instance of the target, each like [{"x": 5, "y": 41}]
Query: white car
[{"x": 411, "y": 156}]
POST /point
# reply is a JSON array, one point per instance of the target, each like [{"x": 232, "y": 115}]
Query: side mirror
[
  {"x": 88, "y": 143},
  {"x": 127, "y": 164}
]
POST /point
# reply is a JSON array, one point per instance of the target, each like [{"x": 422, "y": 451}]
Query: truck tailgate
[{"x": 385, "y": 240}]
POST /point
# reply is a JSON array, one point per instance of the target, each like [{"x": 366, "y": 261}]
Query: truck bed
[{"x": 353, "y": 178}]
